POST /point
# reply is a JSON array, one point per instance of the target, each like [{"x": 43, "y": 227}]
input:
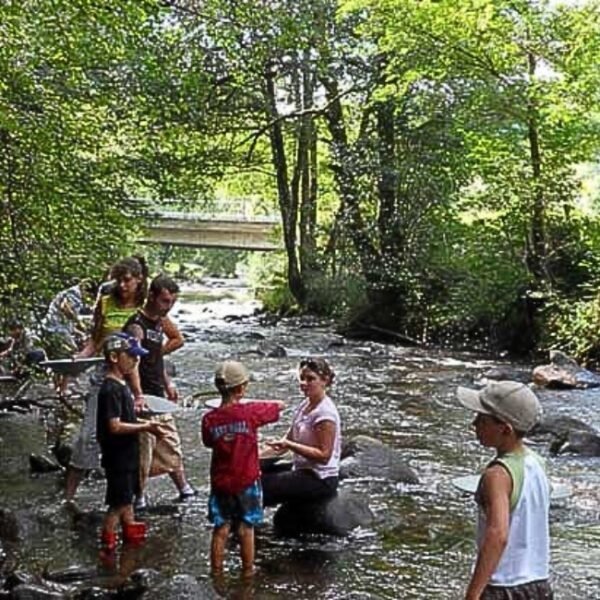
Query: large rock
[
  {"x": 508, "y": 373},
  {"x": 564, "y": 372},
  {"x": 364, "y": 456},
  {"x": 38, "y": 463},
  {"x": 31, "y": 591},
  {"x": 335, "y": 516},
  {"x": 559, "y": 426},
  {"x": 578, "y": 442},
  {"x": 271, "y": 349},
  {"x": 70, "y": 574}
]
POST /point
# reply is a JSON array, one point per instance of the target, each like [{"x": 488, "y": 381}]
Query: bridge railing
[
  {"x": 233, "y": 209},
  {"x": 213, "y": 216}
]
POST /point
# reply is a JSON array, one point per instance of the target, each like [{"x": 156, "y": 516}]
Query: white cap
[{"x": 509, "y": 401}]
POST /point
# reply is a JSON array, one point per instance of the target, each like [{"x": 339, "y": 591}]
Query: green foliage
[
  {"x": 267, "y": 275},
  {"x": 192, "y": 264},
  {"x": 572, "y": 311},
  {"x": 63, "y": 185},
  {"x": 574, "y": 326},
  {"x": 477, "y": 273},
  {"x": 338, "y": 296}
]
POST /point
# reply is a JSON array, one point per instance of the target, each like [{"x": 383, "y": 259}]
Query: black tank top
[{"x": 152, "y": 365}]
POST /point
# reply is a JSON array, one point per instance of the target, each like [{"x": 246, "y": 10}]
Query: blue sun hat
[{"x": 121, "y": 342}]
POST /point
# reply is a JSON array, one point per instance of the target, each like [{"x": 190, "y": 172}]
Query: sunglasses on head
[{"x": 315, "y": 364}]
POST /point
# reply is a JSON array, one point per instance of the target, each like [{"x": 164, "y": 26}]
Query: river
[{"x": 422, "y": 545}]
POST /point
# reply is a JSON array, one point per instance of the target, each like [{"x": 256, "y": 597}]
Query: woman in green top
[
  {"x": 112, "y": 310},
  {"x": 126, "y": 295}
]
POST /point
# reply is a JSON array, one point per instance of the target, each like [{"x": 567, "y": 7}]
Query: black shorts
[
  {"x": 121, "y": 487},
  {"x": 534, "y": 590},
  {"x": 300, "y": 485}
]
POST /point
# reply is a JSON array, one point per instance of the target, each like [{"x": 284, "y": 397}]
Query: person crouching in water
[
  {"x": 513, "y": 497},
  {"x": 117, "y": 433},
  {"x": 236, "y": 494}
]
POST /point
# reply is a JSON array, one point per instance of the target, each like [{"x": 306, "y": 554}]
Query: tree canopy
[{"x": 426, "y": 157}]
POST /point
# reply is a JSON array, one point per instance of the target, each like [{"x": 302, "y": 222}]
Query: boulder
[
  {"x": 559, "y": 426},
  {"x": 145, "y": 578},
  {"x": 508, "y": 373},
  {"x": 564, "y": 372},
  {"x": 70, "y": 574},
  {"x": 338, "y": 515},
  {"x": 32, "y": 591},
  {"x": 271, "y": 350},
  {"x": 62, "y": 453},
  {"x": 39, "y": 463},
  {"x": 139, "y": 582},
  {"x": 582, "y": 443},
  {"x": 17, "y": 578},
  {"x": 364, "y": 456}
]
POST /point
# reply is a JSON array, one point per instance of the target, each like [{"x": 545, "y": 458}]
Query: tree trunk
[
  {"x": 287, "y": 203},
  {"x": 387, "y": 182},
  {"x": 342, "y": 167},
  {"x": 536, "y": 243},
  {"x": 307, "y": 144}
]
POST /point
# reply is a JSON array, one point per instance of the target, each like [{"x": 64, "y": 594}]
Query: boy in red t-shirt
[{"x": 236, "y": 493}]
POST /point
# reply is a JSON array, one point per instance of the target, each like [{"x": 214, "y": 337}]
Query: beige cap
[
  {"x": 509, "y": 401},
  {"x": 230, "y": 374}
]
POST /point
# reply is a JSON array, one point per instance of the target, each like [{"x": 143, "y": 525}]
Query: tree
[
  {"x": 63, "y": 190},
  {"x": 504, "y": 78}
]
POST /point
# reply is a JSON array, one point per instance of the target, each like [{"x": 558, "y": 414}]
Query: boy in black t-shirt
[{"x": 117, "y": 432}]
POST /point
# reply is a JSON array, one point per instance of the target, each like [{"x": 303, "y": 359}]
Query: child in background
[
  {"x": 117, "y": 432},
  {"x": 236, "y": 494},
  {"x": 19, "y": 352}
]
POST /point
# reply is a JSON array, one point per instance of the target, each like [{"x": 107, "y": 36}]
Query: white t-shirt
[{"x": 303, "y": 432}]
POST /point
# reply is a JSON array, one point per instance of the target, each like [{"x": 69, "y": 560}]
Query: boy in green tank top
[{"x": 513, "y": 497}]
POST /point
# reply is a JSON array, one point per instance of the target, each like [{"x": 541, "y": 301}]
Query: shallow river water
[{"x": 422, "y": 543}]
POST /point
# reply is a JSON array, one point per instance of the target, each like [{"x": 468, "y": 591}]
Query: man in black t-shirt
[
  {"x": 159, "y": 336},
  {"x": 117, "y": 432}
]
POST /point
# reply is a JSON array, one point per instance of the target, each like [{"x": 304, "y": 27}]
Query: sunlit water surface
[{"x": 422, "y": 543}]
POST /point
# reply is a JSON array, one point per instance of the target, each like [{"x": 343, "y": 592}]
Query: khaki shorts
[{"x": 158, "y": 457}]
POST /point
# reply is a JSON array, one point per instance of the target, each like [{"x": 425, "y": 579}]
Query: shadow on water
[{"x": 421, "y": 545}]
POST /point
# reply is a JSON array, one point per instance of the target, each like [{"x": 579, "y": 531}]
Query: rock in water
[
  {"x": 578, "y": 442},
  {"x": 564, "y": 372},
  {"x": 559, "y": 426},
  {"x": 365, "y": 456},
  {"x": 42, "y": 464},
  {"x": 335, "y": 516},
  {"x": 508, "y": 373}
]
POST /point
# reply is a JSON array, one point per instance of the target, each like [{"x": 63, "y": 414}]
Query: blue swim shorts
[{"x": 244, "y": 506}]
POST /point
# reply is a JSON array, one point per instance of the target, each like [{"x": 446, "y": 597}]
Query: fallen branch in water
[{"x": 375, "y": 329}]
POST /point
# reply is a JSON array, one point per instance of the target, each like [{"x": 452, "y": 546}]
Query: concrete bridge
[{"x": 199, "y": 230}]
